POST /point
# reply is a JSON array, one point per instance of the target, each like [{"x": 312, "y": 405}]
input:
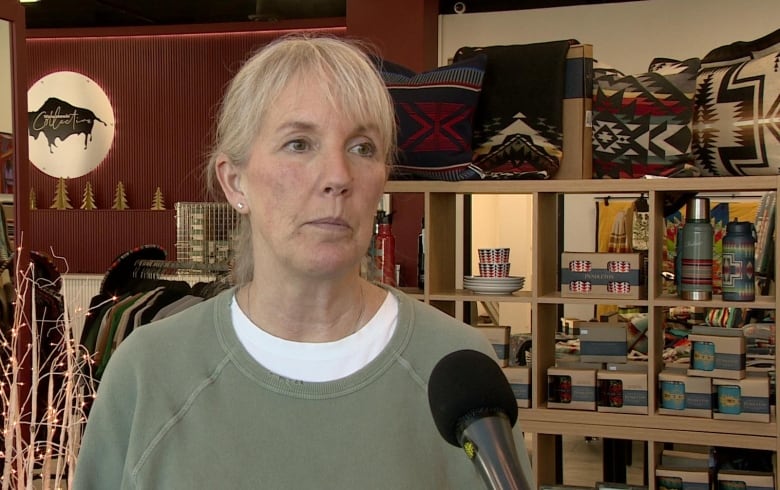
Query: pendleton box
[
  {"x": 499, "y": 338},
  {"x": 571, "y": 387},
  {"x": 520, "y": 380},
  {"x": 603, "y": 275},
  {"x": 717, "y": 352},
  {"x": 622, "y": 391},
  {"x": 680, "y": 394},
  {"x": 745, "y": 480},
  {"x": 743, "y": 399},
  {"x": 682, "y": 478},
  {"x": 603, "y": 342}
]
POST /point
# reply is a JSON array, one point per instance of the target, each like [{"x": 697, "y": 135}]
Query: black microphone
[{"x": 474, "y": 408}]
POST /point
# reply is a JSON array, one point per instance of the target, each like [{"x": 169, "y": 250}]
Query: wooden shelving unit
[{"x": 444, "y": 289}]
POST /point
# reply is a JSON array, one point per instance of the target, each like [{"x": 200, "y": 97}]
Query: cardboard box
[
  {"x": 577, "y": 161},
  {"x": 520, "y": 380},
  {"x": 745, "y": 480},
  {"x": 680, "y": 394},
  {"x": 499, "y": 338},
  {"x": 603, "y": 275},
  {"x": 571, "y": 388},
  {"x": 622, "y": 391},
  {"x": 702, "y": 458},
  {"x": 603, "y": 342},
  {"x": 743, "y": 399},
  {"x": 666, "y": 477},
  {"x": 717, "y": 352}
]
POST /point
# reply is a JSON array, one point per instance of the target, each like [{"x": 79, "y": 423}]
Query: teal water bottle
[
  {"x": 695, "y": 249},
  {"x": 738, "y": 263}
]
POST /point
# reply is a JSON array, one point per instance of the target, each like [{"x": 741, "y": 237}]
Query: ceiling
[{"x": 56, "y": 14}]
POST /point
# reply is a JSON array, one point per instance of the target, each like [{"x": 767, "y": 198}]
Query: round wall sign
[{"x": 71, "y": 124}]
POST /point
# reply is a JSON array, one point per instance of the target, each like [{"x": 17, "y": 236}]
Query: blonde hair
[{"x": 350, "y": 81}]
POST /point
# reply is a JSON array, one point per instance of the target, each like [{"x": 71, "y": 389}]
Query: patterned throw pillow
[
  {"x": 736, "y": 128},
  {"x": 518, "y": 127},
  {"x": 435, "y": 110},
  {"x": 642, "y": 123}
]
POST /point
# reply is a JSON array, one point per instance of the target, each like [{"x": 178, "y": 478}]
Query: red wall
[
  {"x": 164, "y": 87},
  {"x": 164, "y": 90}
]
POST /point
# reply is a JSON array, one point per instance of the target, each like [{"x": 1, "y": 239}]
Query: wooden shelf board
[
  {"x": 556, "y": 298},
  {"x": 552, "y": 426},
  {"x": 586, "y": 186},
  {"x": 717, "y": 301},
  {"x": 653, "y": 422}
]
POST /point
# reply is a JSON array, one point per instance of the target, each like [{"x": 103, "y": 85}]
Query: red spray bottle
[{"x": 384, "y": 251}]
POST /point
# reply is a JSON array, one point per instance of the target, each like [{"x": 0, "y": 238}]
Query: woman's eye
[
  {"x": 365, "y": 149},
  {"x": 297, "y": 145}
]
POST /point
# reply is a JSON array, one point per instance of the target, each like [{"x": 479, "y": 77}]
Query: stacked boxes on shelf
[
  {"x": 701, "y": 467},
  {"x": 603, "y": 380},
  {"x": 716, "y": 383}
]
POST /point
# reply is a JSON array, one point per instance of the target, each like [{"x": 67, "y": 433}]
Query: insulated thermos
[
  {"x": 694, "y": 249},
  {"x": 738, "y": 263}
]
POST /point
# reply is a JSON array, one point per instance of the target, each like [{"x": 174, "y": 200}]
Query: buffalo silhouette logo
[{"x": 59, "y": 119}]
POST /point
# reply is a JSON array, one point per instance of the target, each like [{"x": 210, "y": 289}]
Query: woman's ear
[{"x": 230, "y": 179}]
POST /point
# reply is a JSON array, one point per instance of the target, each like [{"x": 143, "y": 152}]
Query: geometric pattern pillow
[
  {"x": 518, "y": 126},
  {"x": 435, "y": 111},
  {"x": 737, "y": 122},
  {"x": 642, "y": 124}
]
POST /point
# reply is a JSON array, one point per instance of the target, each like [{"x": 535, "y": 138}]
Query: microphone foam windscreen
[{"x": 466, "y": 382}]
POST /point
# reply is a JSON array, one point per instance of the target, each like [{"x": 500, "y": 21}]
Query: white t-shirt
[{"x": 318, "y": 361}]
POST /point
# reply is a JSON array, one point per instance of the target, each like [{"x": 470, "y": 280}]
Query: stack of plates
[{"x": 493, "y": 285}]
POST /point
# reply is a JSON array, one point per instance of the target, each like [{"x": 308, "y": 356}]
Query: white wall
[
  {"x": 624, "y": 35},
  {"x": 6, "y": 117}
]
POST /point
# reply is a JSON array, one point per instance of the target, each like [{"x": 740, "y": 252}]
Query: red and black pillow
[{"x": 435, "y": 110}]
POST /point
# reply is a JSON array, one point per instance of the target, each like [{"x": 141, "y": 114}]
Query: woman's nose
[{"x": 337, "y": 178}]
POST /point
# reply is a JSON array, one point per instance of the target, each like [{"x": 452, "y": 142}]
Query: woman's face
[{"x": 312, "y": 183}]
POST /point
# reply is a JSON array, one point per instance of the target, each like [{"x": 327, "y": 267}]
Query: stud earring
[{"x": 240, "y": 205}]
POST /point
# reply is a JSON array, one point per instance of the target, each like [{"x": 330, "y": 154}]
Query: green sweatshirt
[{"x": 182, "y": 405}]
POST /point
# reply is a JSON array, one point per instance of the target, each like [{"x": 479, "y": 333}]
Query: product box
[
  {"x": 745, "y": 480},
  {"x": 602, "y": 485},
  {"x": 577, "y": 161},
  {"x": 717, "y": 352},
  {"x": 702, "y": 458},
  {"x": 603, "y": 275},
  {"x": 520, "y": 380},
  {"x": 682, "y": 478},
  {"x": 743, "y": 399},
  {"x": 571, "y": 387},
  {"x": 603, "y": 342},
  {"x": 622, "y": 391},
  {"x": 680, "y": 394},
  {"x": 499, "y": 338}
]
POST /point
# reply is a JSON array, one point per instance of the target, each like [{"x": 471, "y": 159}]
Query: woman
[{"x": 304, "y": 375}]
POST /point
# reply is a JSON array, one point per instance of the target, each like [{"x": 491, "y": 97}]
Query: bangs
[{"x": 351, "y": 84}]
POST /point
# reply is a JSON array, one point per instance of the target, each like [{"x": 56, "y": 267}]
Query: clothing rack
[{"x": 178, "y": 270}]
